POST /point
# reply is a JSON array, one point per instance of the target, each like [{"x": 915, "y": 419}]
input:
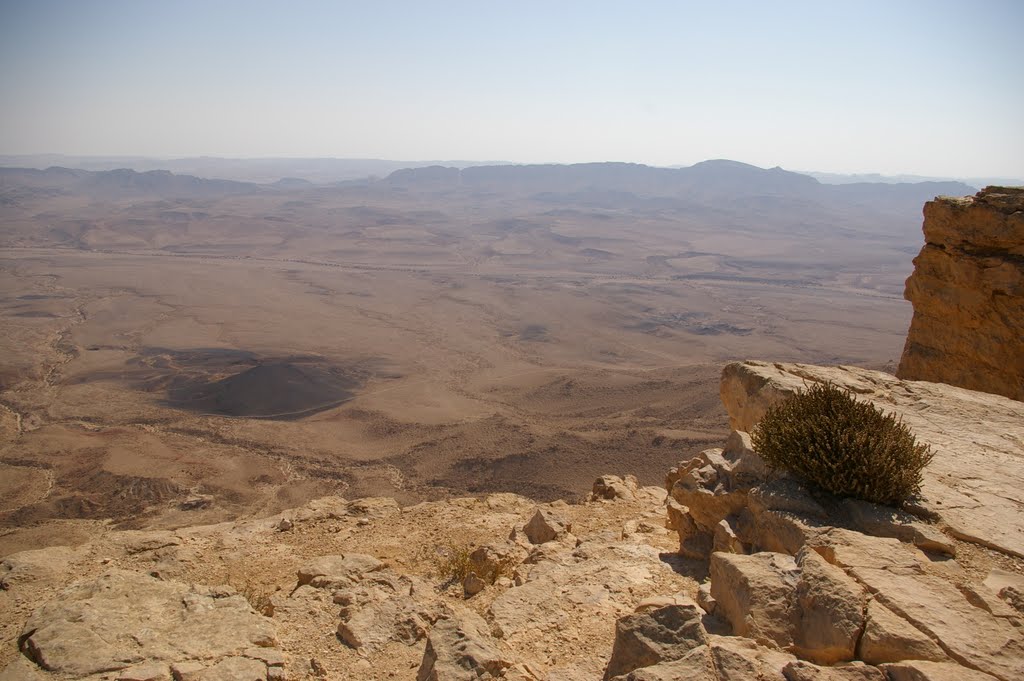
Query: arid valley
[{"x": 178, "y": 350}]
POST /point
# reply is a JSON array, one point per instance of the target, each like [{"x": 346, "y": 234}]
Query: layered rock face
[{"x": 968, "y": 294}]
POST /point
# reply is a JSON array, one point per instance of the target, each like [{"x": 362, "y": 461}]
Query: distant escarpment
[{"x": 968, "y": 294}]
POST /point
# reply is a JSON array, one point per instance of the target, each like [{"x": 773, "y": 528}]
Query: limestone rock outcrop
[
  {"x": 850, "y": 589},
  {"x": 967, "y": 430},
  {"x": 968, "y": 294}
]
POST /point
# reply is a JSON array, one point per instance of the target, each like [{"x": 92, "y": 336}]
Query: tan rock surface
[
  {"x": 968, "y": 294},
  {"x": 124, "y": 618},
  {"x": 919, "y": 670},
  {"x": 968, "y": 634},
  {"x": 757, "y": 595},
  {"x": 354, "y": 588},
  {"x": 831, "y": 607},
  {"x": 969, "y": 431},
  {"x": 656, "y": 635},
  {"x": 890, "y": 638}
]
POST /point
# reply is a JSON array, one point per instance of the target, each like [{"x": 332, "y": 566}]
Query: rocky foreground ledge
[{"x": 755, "y": 579}]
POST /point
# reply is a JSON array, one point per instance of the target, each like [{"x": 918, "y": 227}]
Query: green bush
[{"x": 827, "y": 439}]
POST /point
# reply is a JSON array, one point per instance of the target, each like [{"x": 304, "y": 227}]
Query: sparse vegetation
[
  {"x": 453, "y": 562},
  {"x": 848, "y": 448},
  {"x": 257, "y": 594}
]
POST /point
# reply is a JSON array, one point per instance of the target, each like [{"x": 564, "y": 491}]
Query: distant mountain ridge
[
  {"x": 706, "y": 179},
  {"x": 711, "y": 180},
  {"x": 122, "y": 183}
]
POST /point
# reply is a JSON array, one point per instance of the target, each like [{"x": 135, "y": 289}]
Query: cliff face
[{"x": 968, "y": 294}]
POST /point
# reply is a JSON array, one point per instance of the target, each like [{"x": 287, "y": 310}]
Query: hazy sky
[{"x": 932, "y": 87}]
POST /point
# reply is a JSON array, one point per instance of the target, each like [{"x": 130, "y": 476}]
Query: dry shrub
[
  {"x": 847, "y": 448},
  {"x": 258, "y": 597},
  {"x": 257, "y": 594},
  {"x": 453, "y": 562}
]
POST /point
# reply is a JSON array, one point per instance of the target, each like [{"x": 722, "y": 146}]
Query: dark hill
[{"x": 121, "y": 183}]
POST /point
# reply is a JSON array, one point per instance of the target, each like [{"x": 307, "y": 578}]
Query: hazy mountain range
[
  {"x": 334, "y": 170},
  {"x": 601, "y": 182}
]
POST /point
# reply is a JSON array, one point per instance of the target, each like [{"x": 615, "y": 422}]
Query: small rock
[
  {"x": 748, "y": 468},
  {"x": 855, "y": 671},
  {"x": 658, "y": 602},
  {"x": 545, "y": 526},
  {"x": 197, "y": 502},
  {"x": 704, "y": 598},
  {"x": 725, "y": 538},
  {"x": 285, "y": 525},
  {"x": 21, "y": 669},
  {"x": 472, "y": 585},
  {"x": 234, "y": 669},
  {"x": 374, "y": 507},
  {"x": 614, "y": 487}
]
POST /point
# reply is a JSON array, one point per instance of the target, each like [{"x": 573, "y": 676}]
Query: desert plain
[{"x": 180, "y": 351}]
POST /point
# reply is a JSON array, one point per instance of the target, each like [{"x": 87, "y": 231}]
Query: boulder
[
  {"x": 546, "y": 525},
  {"x": 725, "y": 539},
  {"x": 378, "y": 606},
  {"x": 756, "y": 594},
  {"x": 460, "y": 649},
  {"x": 890, "y": 638},
  {"x": 613, "y": 487},
  {"x": 653, "y": 636},
  {"x": 491, "y": 561},
  {"x": 831, "y": 611}
]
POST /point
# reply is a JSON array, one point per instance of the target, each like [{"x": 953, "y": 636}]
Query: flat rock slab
[
  {"x": 975, "y": 484},
  {"x": 122, "y": 619}
]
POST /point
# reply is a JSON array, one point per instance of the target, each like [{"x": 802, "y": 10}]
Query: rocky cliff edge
[
  {"x": 968, "y": 294},
  {"x": 730, "y": 573}
]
